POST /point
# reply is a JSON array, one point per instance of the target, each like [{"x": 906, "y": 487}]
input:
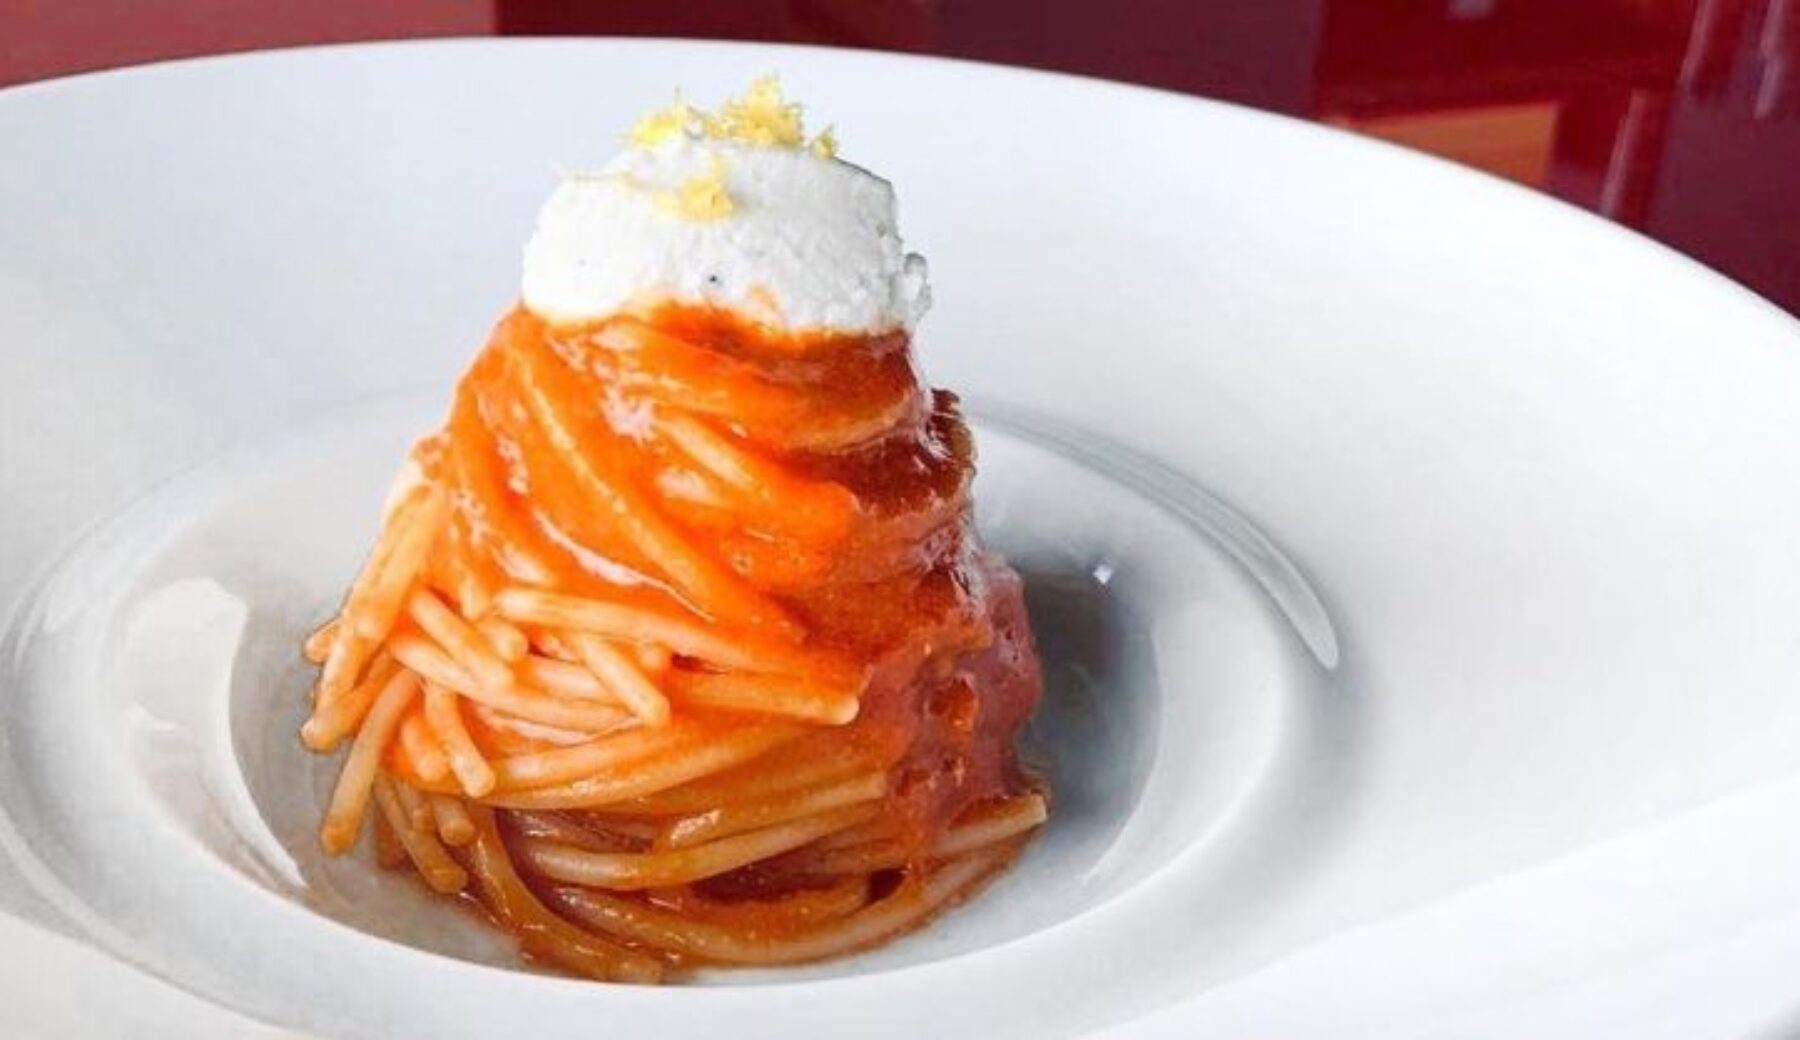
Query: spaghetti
[{"x": 677, "y": 647}]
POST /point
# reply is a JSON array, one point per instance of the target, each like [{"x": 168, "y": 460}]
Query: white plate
[{"x": 1496, "y": 741}]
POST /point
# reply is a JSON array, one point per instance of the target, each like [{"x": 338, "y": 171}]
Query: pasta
[
  {"x": 677, "y": 647},
  {"x": 697, "y": 727}
]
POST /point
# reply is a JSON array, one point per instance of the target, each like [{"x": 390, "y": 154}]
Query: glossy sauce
[{"x": 838, "y": 524}]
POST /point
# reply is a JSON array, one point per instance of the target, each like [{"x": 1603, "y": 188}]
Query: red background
[{"x": 1677, "y": 117}]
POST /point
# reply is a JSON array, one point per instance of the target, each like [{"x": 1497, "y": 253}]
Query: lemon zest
[
  {"x": 761, "y": 117},
  {"x": 700, "y": 197}
]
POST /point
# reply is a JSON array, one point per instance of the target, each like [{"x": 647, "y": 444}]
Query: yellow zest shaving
[
  {"x": 762, "y": 116},
  {"x": 663, "y": 124},
  {"x": 700, "y": 197}
]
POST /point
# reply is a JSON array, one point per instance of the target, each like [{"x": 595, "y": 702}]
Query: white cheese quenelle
[{"x": 735, "y": 209}]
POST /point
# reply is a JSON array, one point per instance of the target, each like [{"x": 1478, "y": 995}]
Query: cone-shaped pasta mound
[{"x": 677, "y": 647}]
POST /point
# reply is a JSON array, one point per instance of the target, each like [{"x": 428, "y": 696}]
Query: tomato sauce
[{"x": 806, "y": 489}]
